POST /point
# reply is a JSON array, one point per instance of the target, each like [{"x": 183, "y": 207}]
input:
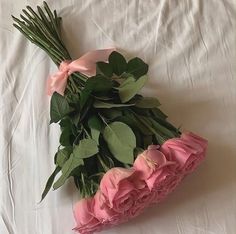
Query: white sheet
[{"x": 190, "y": 46}]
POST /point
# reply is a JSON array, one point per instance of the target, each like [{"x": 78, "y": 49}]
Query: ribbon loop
[{"x": 86, "y": 64}]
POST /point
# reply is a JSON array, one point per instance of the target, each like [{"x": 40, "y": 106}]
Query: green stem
[
  {"x": 44, "y": 31},
  {"x": 46, "y": 7},
  {"x": 42, "y": 27},
  {"x": 161, "y": 138},
  {"x": 74, "y": 85},
  {"x": 80, "y": 76},
  {"x": 69, "y": 88},
  {"x": 104, "y": 166}
]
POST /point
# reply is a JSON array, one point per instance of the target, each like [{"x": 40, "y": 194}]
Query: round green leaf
[
  {"x": 137, "y": 67},
  {"x": 104, "y": 68},
  {"x": 121, "y": 141},
  {"x": 59, "y": 107},
  {"x": 65, "y": 138},
  {"x": 130, "y": 87},
  {"x": 98, "y": 83},
  {"x": 118, "y": 63},
  {"x": 86, "y": 148}
]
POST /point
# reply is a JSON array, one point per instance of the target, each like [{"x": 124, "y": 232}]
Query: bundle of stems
[{"x": 44, "y": 30}]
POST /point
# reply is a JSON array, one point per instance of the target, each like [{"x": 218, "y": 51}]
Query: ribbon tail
[
  {"x": 87, "y": 63},
  {"x": 57, "y": 83}
]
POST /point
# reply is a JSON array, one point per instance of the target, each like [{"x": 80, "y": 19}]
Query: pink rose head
[
  {"x": 165, "y": 183},
  {"x": 188, "y": 151},
  {"x": 118, "y": 188},
  {"x": 150, "y": 161},
  {"x": 109, "y": 216},
  {"x": 144, "y": 198},
  {"x": 191, "y": 137},
  {"x": 103, "y": 212},
  {"x": 84, "y": 216}
]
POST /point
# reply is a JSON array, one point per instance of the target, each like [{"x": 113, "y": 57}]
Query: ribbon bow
[{"x": 86, "y": 64}]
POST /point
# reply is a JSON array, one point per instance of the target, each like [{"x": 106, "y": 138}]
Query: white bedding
[{"x": 190, "y": 47}]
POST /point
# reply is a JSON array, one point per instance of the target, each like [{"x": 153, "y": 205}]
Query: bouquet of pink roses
[{"x": 117, "y": 145}]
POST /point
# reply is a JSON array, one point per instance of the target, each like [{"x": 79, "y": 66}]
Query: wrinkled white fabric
[{"x": 190, "y": 46}]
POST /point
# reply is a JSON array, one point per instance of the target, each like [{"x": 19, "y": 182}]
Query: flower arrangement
[{"x": 117, "y": 145}]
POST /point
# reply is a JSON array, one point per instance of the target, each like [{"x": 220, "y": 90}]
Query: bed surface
[{"x": 190, "y": 47}]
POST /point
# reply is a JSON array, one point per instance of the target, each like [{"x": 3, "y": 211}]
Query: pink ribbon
[{"x": 85, "y": 64}]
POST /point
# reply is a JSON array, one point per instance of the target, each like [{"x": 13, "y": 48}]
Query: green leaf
[
  {"x": 86, "y": 148},
  {"x": 137, "y": 67},
  {"x": 68, "y": 129},
  {"x": 59, "y": 107},
  {"x": 118, "y": 63},
  {"x": 67, "y": 168},
  {"x": 96, "y": 126},
  {"x": 86, "y": 109},
  {"x": 147, "y": 102},
  {"x": 95, "y": 123},
  {"x": 65, "y": 123},
  {"x": 95, "y": 135},
  {"x": 65, "y": 138},
  {"x": 50, "y": 182},
  {"x": 72, "y": 98},
  {"x": 121, "y": 141},
  {"x": 84, "y": 96},
  {"x": 100, "y": 104},
  {"x": 75, "y": 118},
  {"x": 130, "y": 87},
  {"x": 62, "y": 156},
  {"x": 98, "y": 83},
  {"x": 104, "y": 68}
]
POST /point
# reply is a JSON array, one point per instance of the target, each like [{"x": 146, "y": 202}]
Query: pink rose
[
  {"x": 151, "y": 164},
  {"x": 84, "y": 216},
  {"x": 103, "y": 212},
  {"x": 188, "y": 151},
  {"x": 158, "y": 173},
  {"x": 144, "y": 198},
  {"x": 164, "y": 183},
  {"x": 193, "y": 138},
  {"x": 118, "y": 188},
  {"x": 123, "y": 195}
]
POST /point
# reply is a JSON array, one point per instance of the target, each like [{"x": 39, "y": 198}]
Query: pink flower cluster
[{"x": 124, "y": 193}]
